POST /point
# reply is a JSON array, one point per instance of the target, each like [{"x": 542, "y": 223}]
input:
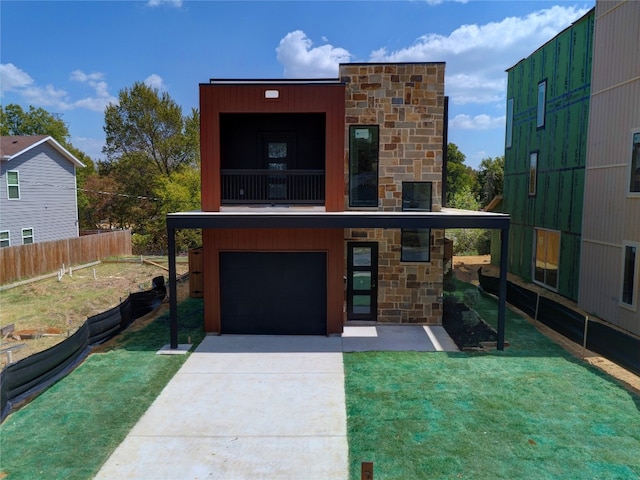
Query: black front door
[{"x": 362, "y": 281}]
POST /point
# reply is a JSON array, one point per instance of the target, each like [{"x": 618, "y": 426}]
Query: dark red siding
[
  {"x": 330, "y": 241},
  {"x": 300, "y": 98}
]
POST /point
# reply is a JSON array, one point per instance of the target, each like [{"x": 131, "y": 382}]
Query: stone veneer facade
[{"x": 407, "y": 102}]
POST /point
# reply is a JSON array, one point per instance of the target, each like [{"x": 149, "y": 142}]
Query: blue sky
[{"x": 73, "y": 57}]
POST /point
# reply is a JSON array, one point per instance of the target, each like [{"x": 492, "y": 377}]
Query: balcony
[{"x": 271, "y": 187}]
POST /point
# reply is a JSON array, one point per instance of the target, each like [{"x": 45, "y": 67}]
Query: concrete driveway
[{"x": 247, "y": 407}]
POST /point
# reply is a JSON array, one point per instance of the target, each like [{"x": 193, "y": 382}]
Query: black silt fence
[
  {"x": 613, "y": 344},
  {"x": 24, "y": 379}
]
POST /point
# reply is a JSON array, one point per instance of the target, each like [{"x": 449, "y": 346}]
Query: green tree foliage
[
  {"x": 37, "y": 121},
  {"x": 149, "y": 126},
  {"x": 464, "y": 187},
  {"x": 460, "y": 177},
  {"x": 490, "y": 179},
  {"x": 151, "y": 168}
]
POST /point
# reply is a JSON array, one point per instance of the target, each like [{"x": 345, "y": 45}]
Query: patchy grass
[
  {"x": 62, "y": 307},
  {"x": 70, "y": 430},
  {"x": 532, "y": 411}
]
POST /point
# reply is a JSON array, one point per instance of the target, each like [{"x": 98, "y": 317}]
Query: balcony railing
[{"x": 302, "y": 187}]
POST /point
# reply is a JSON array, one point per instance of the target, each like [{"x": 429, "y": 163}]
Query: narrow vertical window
[
  {"x": 509, "y": 129},
  {"x": 13, "y": 185},
  {"x": 634, "y": 185},
  {"x": 542, "y": 103},
  {"x": 533, "y": 173},
  {"x": 546, "y": 258},
  {"x": 27, "y": 236},
  {"x": 629, "y": 275},
  {"x": 5, "y": 239},
  {"x": 363, "y": 166}
]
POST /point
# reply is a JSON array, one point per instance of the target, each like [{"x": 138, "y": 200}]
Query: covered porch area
[{"x": 292, "y": 218}]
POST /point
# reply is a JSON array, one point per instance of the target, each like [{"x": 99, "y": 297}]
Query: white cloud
[
  {"x": 19, "y": 82},
  {"x": 101, "y": 97},
  {"x": 478, "y": 55},
  {"x": 479, "y": 122},
  {"x": 171, "y": 3},
  {"x": 302, "y": 60},
  {"x": 155, "y": 81},
  {"x": 12, "y": 78}
]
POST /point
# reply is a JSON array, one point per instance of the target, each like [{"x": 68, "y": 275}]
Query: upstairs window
[
  {"x": 509, "y": 126},
  {"x": 533, "y": 173},
  {"x": 5, "y": 240},
  {"x": 416, "y": 196},
  {"x": 363, "y": 166},
  {"x": 27, "y": 236},
  {"x": 629, "y": 275},
  {"x": 13, "y": 185},
  {"x": 634, "y": 184},
  {"x": 542, "y": 104}
]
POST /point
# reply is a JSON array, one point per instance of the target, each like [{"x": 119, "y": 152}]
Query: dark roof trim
[
  {"x": 274, "y": 81},
  {"x": 447, "y": 218},
  {"x": 375, "y": 64}
]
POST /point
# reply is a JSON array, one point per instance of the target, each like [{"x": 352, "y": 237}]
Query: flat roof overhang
[
  {"x": 300, "y": 218},
  {"x": 297, "y": 218}
]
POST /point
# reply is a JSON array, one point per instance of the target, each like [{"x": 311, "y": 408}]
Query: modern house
[
  {"x": 321, "y": 201},
  {"x": 38, "y": 200},
  {"x": 545, "y": 156},
  {"x": 610, "y": 261}
]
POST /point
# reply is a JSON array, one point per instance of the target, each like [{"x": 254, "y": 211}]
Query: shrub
[{"x": 471, "y": 297}]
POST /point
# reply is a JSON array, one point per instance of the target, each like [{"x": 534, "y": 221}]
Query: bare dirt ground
[
  {"x": 46, "y": 312},
  {"x": 466, "y": 270}
]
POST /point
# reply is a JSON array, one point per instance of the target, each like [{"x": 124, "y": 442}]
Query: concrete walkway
[{"x": 247, "y": 407}]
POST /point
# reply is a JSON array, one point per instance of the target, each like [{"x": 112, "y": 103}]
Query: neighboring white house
[{"x": 38, "y": 200}]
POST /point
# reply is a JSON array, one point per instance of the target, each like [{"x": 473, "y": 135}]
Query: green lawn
[
  {"x": 530, "y": 412},
  {"x": 73, "y": 427}
]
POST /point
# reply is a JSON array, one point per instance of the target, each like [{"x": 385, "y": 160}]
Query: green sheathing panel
[{"x": 565, "y": 64}]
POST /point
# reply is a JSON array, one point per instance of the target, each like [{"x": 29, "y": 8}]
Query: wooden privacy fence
[{"x": 27, "y": 261}]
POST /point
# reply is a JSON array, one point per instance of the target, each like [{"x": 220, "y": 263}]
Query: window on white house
[
  {"x": 363, "y": 166},
  {"x": 630, "y": 262},
  {"x": 415, "y": 245},
  {"x": 27, "y": 236},
  {"x": 542, "y": 104},
  {"x": 533, "y": 173},
  {"x": 546, "y": 259},
  {"x": 634, "y": 184},
  {"x": 13, "y": 185},
  {"x": 509, "y": 129},
  {"x": 5, "y": 239}
]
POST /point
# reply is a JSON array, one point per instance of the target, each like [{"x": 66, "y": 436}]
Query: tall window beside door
[{"x": 363, "y": 166}]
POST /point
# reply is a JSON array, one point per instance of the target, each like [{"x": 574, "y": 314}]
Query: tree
[
  {"x": 149, "y": 125},
  {"x": 490, "y": 179},
  {"x": 460, "y": 177},
  {"x": 37, "y": 121},
  {"x": 152, "y": 166}
]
